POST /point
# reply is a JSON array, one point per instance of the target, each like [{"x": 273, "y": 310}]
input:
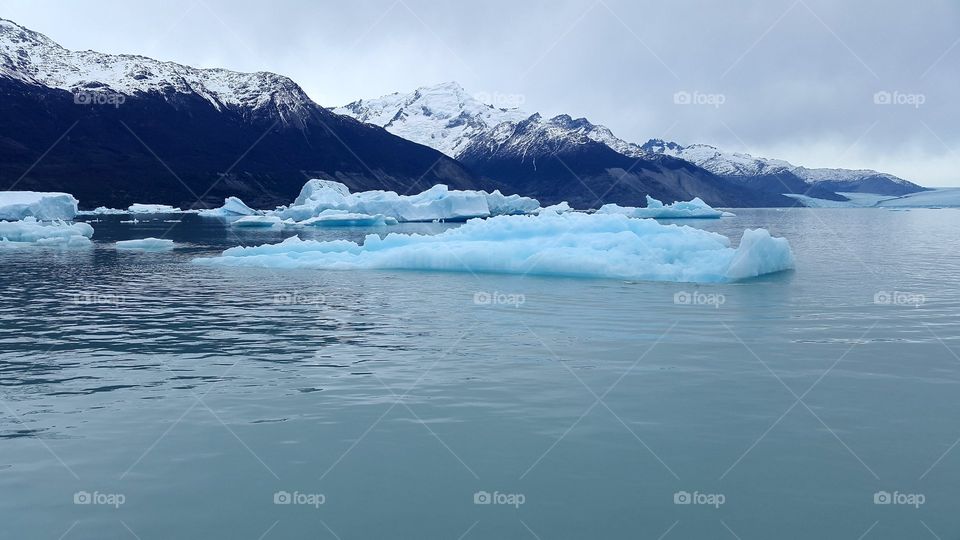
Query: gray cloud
[{"x": 798, "y": 78}]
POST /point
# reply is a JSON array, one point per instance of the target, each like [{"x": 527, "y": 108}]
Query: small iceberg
[
  {"x": 232, "y": 207},
  {"x": 570, "y": 244},
  {"x": 261, "y": 222},
  {"x": 140, "y": 208},
  {"x": 146, "y": 244},
  {"x": 438, "y": 203},
  {"x": 30, "y": 231},
  {"x": 655, "y": 209},
  {"x": 44, "y": 206},
  {"x": 102, "y": 211},
  {"x": 342, "y": 218}
]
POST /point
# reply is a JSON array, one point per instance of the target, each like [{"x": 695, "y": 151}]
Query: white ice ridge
[
  {"x": 569, "y": 244},
  {"x": 436, "y": 203},
  {"x": 17, "y": 205},
  {"x": 33, "y": 232},
  {"x": 146, "y": 244},
  {"x": 657, "y": 210}
]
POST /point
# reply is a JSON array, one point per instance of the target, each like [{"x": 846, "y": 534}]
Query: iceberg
[
  {"x": 258, "y": 222},
  {"x": 232, "y": 206},
  {"x": 45, "y": 206},
  {"x": 655, "y": 209},
  {"x": 559, "y": 208},
  {"x": 570, "y": 244},
  {"x": 102, "y": 211},
  {"x": 140, "y": 208},
  {"x": 438, "y": 203},
  {"x": 146, "y": 244},
  {"x": 341, "y": 218},
  {"x": 31, "y": 231}
]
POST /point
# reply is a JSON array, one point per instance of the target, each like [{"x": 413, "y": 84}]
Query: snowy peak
[
  {"x": 443, "y": 116},
  {"x": 448, "y": 118},
  {"x": 35, "y": 59}
]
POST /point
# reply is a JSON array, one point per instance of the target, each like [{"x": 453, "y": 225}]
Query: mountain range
[
  {"x": 542, "y": 155},
  {"x": 117, "y": 129}
]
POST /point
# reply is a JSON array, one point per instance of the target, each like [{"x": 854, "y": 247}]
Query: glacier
[
  {"x": 695, "y": 208},
  {"x": 439, "y": 203},
  {"x": 45, "y": 206},
  {"x": 146, "y": 244},
  {"x": 31, "y": 231},
  {"x": 549, "y": 244}
]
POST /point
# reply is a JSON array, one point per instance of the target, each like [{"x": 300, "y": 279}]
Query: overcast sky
[{"x": 793, "y": 79}]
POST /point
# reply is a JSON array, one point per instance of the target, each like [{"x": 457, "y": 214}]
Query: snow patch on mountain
[{"x": 740, "y": 164}]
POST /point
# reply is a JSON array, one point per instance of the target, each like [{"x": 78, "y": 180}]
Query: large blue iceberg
[{"x": 569, "y": 244}]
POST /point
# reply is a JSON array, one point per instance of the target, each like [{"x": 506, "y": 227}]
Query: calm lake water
[{"x": 146, "y": 397}]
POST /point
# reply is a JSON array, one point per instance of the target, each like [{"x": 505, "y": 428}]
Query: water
[{"x": 194, "y": 395}]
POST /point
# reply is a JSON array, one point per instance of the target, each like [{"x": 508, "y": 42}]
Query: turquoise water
[{"x": 146, "y": 397}]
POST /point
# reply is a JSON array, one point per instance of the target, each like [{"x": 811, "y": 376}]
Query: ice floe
[
  {"x": 45, "y": 206},
  {"x": 146, "y": 244},
  {"x": 30, "y": 231},
  {"x": 655, "y": 209},
  {"x": 568, "y": 244}
]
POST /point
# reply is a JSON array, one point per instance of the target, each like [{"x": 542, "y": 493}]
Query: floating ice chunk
[
  {"x": 341, "y": 218},
  {"x": 438, "y": 203},
  {"x": 31, "y": 231},
  {"x": 17, "y": 205},
  {"x": 695, "y": 208},
  {"x": 559, "y": 208},
  {"x": 508, "y": 205},
  {"x": 146, "y": 244},
  {"x": 570, "y": 244},
  {"x": 102, "y": 211},
  {"x": 139, "y": 208},
  {"x": 258, "y": 222},
  {"x": 232, "y": 206}
]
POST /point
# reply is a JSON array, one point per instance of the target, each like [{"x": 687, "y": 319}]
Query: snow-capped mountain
[
  {"x": 219, "y": 132},
  {"x": 747, "y": 168},
  {"x": 444, "y": 117},
  {"x": 554, "y": 159},
  {"x": 448, "y": 118},
  {"x": 33, "y": 58}
]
